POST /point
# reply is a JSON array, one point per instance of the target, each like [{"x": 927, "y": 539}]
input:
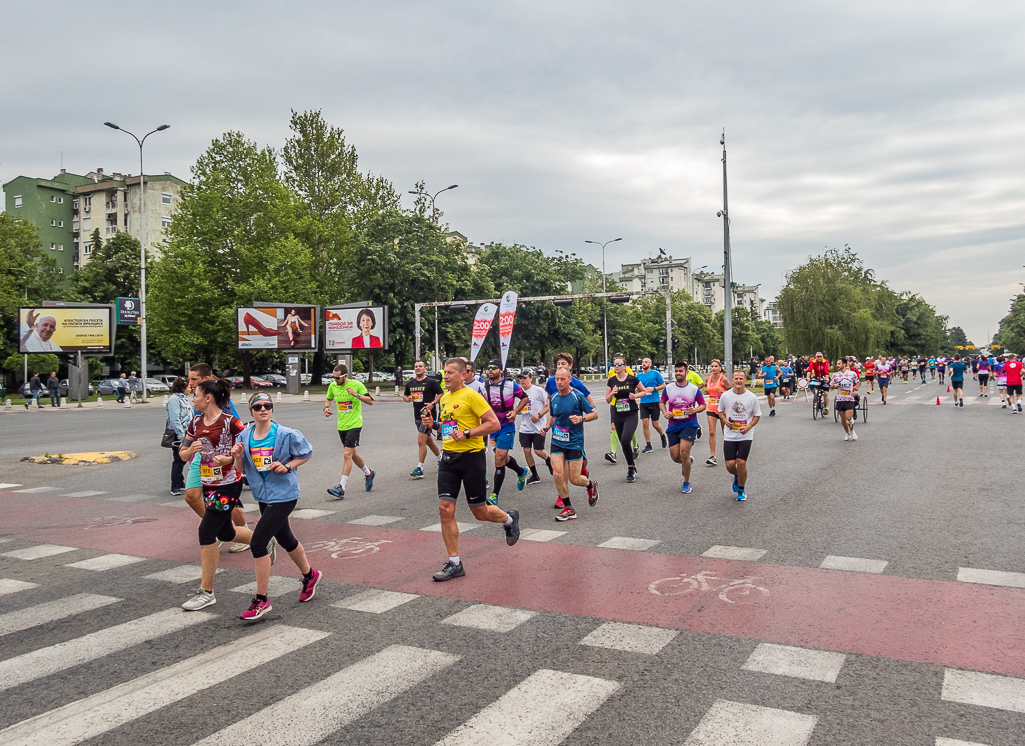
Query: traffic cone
[
  {"x": 948, "y": 389},
  {"x": 938, "y": 401}
]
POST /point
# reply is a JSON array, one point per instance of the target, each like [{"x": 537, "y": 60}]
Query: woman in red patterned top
[{"x": 212, "y": 433}]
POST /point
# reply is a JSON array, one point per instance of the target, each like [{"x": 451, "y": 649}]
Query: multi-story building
[
  {"x": 708, "y": 289},
  {"x": 68, "y": 208},
  {"x": 657, "y": 273},
  {"x": 773, "y": 315}
]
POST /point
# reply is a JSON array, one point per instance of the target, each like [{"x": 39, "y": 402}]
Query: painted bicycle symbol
[
  {"x": 739, "y": 591},
  {"x": 110, "y": 521},
  {"x": 350, "y": 548}
]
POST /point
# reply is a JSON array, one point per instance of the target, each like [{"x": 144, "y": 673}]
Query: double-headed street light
[
  {"x": 432, "y": 196},
  {"x": 606, "y": 320},
  {"x": 143, "y": 367}
]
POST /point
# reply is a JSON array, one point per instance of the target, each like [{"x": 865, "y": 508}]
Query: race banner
[
  {"x": 506, "y": 315},
  {"x": 481, "y": 327}
]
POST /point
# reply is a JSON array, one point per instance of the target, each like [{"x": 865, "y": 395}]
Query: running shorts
[
  {"x": 687, "y": 432},
  {"x": 570, "y": 454},
  {"x": 532, "y": 440},
  {"x": 983, "y": 379},
  {"x": 650, "y": 411},
  {"x": 956, "y": 385},
  {"x": 770, "y": 390},
  {"x": 504, "y": 439},
  {"x": 846, "y": 406},
  {"x": 463, "y": 469},
  {"x": 734, "y": 450},
  {"x": 350, "y": 438},
  {"x": 884, "y": 383},
  {"x": 1014, "y": 388},
  {"x": 429, "y": 430}
]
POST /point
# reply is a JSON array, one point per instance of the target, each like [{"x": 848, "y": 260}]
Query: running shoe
[
  {"x": 772, "y": 412},
  {"x": 272, "y": 550},
  {"x": 631, "y": 475},
  {"x": 337, "y": 491},
  {"x": 648, "y": 449},
  {"x": 368, "y": 480},
  {"x": 521, "y": 478},
  {"x": 177, "y": 493},
  {"x": 559, "y": 504},
  {"x": 685, "y": 488},
  {"x": 710, "y": 461},
  {"x": 692, "y": 459},
  {"x": 854, "y": 435},
  {"x": 449, "y": 571},
  {"x": 592, "y": 493},
  {"x": 417, "y": 473},
  {"x": 1019, "y": 406},
  {"x": 237, "y": 547},
  {"x": 741, "y": 494},
  {"x": 533, "y": 480},
  {"x": 512, "y": 531},
  {"x": 825, "y": 411},
  {"x": 636, "y": 454},
  {"x": 736, "y": 486},
  {"x": 492, "y": 499},
  {"x": 256, "y": 610},
  {"x": 567, "y": 514},
  {"x": 310, "y": 586},
  {"x": 610, "y": 457},
  {"x": 665, "y": 441},
  {"x": 846, "y": 437},
  {"x": 199, "y": 600},
  {"x": 1003, "y": 406}
]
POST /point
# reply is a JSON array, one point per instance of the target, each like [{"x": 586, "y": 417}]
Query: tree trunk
[
  {"x": 247, "y": 365},
  {"x": 318, "y": 366}
]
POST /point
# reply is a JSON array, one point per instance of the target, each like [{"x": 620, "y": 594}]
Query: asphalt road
[{"x": 927, "y": 490}]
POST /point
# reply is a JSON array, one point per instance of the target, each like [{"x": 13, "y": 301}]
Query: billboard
[
  {"x": 355, "y": 328},
  {"x": 129, "y": 312},
  {"x": 66, "y": 327},
  {"x": 278, "y": 327}
]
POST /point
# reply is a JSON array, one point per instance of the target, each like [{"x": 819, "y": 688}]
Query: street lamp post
[
  {"x": 727, "y": 279},
  {"x": 144, "y": 370},
  {"x": 606, "y": 314},
  {"x": 432, "y": 196}
]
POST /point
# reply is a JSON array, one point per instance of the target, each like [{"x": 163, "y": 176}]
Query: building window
[
  {"x": 165, "y": 198},
  {"x": 53, "y": 247},
  {"x": 87, "y": 247},
  {"x": 53, "y": 198},
  {"x": 17, "y": 200},
  {"x": 60, "y": 223},
  {"x": 165, "y": 222},
  {"x": 53, "y": 223},
  {"x": 60, "y": 270},
  {"x": 60, "y": 248},
  {"x": 75, "y": 204},
  {"x": 60, "y": 200},
  {"x": 87, "y": 203},
  {"x": 86, "y": 223}
]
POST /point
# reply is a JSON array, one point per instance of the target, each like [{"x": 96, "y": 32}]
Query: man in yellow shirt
[{"x": 465, "y": 419}]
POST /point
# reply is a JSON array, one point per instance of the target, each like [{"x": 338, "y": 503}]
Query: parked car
[
  {"x": 169, "y": 379},
  {"x": 305, "y": 377},
  {"x": 153, "y": 386},
  {"x": 276, "y": 380},
  {"x": 64, "y": 386},
  {"x": 106, "y": 387},
  {"x": 260, "y": 383}
]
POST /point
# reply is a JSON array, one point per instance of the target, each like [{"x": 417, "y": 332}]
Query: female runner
[
  {"x": 715, "y": 386},
  {"x": 622, "y": 393}
]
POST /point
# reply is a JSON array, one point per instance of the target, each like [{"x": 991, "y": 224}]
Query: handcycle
[{"x": 860, "y": 405}]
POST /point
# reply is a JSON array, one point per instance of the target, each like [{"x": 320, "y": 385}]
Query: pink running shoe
[
  {"x": 310, "y": 586},
  {"x": 256, "y": 610}
]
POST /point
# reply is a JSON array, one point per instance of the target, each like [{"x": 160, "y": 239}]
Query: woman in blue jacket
[{"x": 269, "y": 453}]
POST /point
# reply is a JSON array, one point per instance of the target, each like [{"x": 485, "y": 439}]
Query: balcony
[{"x": 111, "y": 230}]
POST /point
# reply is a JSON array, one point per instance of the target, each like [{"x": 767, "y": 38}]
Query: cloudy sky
[{"x": 896, "y": 128}]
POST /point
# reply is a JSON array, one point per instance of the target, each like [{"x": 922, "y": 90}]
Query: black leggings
[
  {"x": 273, "y": 522},
  {"x": 625, "y": 429}
]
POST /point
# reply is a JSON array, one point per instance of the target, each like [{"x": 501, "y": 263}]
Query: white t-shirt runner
[
  {"x": 740, "y": 409},
  {"x": 846, "y": 382},
  {"x": 537, "y": 399}
]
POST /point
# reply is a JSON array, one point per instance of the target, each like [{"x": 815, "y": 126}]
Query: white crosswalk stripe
[
  {"x": 13, "y": 586},
  {"x": 104, "y": 711},
  {"x": 310, "y": 715},
  {"x": 51, "y": 611},
  {"x": 49, "y": 660}
]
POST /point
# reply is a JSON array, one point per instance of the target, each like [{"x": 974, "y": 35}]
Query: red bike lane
[{"x": 960, "y": 625}]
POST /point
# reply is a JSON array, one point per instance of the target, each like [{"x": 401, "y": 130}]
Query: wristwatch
[
  {"x": 466, "y": 434},
  {"x": 289, "y": 466}
]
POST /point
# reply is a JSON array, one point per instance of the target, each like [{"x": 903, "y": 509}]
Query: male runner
[
  {"x": 957, "y": 371},
  {"x": 883, "y": 369},
  {"x": 869, "y": 371},
  {"x": 533, "y": 412},
  {"x": 786, "y": 378},
  {"x": 650, "y": 408},
  {"x": 770, "y": 380},
  {"x": 570, "y": 410},
  {"x": 819, "y": 368},
  {"x": 932, "y": 367},
  {"x": 350, "y": 396},
  {"x": 465, "y": 419},
  {"x": 1013, "y": 370},
  {"x": 846, "y": 382},
  {"x": 470, "y": 378},
  {"x": 422, "y": 392},
  {"x": 941, "y": 367},
  {"x": 922, "y": 362},
  {"x": 739, "y": 411},
  {"x": 682, "y": 402},
  {"x": 502, "y": 395},
  {"x": 564, "y": 361}
]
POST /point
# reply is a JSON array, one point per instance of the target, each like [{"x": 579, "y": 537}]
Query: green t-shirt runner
[{"x": 350, "y": 408}]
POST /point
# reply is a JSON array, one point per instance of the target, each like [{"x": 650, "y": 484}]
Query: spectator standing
[
  {"x": 53, "y": 385},
  {"x": 133, "y": 386},
  {"x": 122, "y": 388},
  {"x": 179, "y": 412},
  {"x": 35, "y": 387}
]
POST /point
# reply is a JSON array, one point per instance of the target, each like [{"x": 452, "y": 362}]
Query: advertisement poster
[
  {"x": 355, "y": 328},
  {"x": 67, "y": 327},
  {"x": 278, "y": 327},
  {"x": 481, "y": 327},
  {"x": 129, "y": 312},
  {"x": 506, "y": 316}
]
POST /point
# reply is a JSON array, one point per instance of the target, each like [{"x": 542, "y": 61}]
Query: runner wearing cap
[
  {"x": 533, "y": 412},
  {"x": 503, "y": 394}
]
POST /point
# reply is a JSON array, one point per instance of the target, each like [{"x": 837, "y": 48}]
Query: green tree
[
  {"x": 1011, "y": 335},
  {"x": 745, "y": 335},
  {"x": 918, "y": 329},
  {"x": 957, "y": 337}
]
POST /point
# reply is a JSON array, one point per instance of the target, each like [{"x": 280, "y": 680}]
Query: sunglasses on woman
[{"x": 262, "y": 407}]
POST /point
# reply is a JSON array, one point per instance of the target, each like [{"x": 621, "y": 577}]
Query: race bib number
[
  {"x": 560, "y": 434},
  {"x": 846, "y": 387},
  {"x": 209, "y": 470},
  {"x": 738, "y": 424},
  {"x": 448, "y": 427},
  {"x": 262, "y": 458},
  {"x": 345, "y": 406},
  {"x": 678, "y": 413},
  {"x": 622, "y": 406},
  {"x": 418, "y": 396},
  {"x": 713, "y": 401}
]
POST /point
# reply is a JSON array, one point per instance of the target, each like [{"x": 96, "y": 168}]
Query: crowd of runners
[{"x": 457, "y": 417}]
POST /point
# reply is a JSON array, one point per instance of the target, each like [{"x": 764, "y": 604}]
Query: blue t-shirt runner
[
  {"x": 567, "y": 436},
  {"x": 651, "y": 379}
]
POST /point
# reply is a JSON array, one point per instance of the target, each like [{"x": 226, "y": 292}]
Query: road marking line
[
  {"x": 104, "y": 711},
  {"x": 991, "y": 577},
  {"x": 309, "y": 513},
  {"x": 7, "y": 485},
  {"x": 39, "y": 551},
  {"x": 175, "y": 504},
  {"x": 984, "y": 689},
  {"x": 955, "y": 742},
  {"x": 737, "y": 724},
  {"x": 542, "y": 709},
  {"x": 376, "y": 520},
  {"x": 6, "y": 539},
  {"x": 463, "y": 527},
  {"x": 799, "y": 663},
  {"x": 632, "y": 638},
  {"x": 106, "y": 562},
  {"x": 279, "y": 586},
  {"x": 490, "y": 618},
  {"x": 540, "y": 534},
  {"x": 626, "y": 542},
  {"x": 312, "y": 714},
  {"x": 374, "y": 601},
  {"x": 853, "y": 564},
  {"x": 51, "y": 611},
  {"x": 136, "y": 499},
  {"x": 250, "y": 508},
  {"x": 49, "y": 660},
  {"x": 84, "y": 493},
  {"x": 36, "y": 490},
  {"x": 8, "y": 586},
  {"x": 181, "y": 574},
  {"x": 734, "y": 553}
]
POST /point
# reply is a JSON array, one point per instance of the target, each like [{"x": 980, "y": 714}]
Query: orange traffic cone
[
  {"x": 948, "y": 389},
  {"x": 938, "y": 402}
]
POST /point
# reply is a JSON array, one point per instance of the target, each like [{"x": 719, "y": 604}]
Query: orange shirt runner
[{"x": 714, "y": 388}]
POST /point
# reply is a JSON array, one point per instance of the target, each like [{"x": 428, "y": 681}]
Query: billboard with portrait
[
  {"x": 355, "y": 328},
  {"x": 278, "y": 327},
  {"x": 66, "y": 327}
]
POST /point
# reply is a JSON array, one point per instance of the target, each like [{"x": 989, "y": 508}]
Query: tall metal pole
[
  {"x": 605, "y": 321},
  {"x": 437, "y": 354},
  {"x": 669, "y": 328},
  {"x": 727, "y": 278},
  {"x": 416, "y": 324}
]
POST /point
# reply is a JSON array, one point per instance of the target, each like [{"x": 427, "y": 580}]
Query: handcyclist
[
  {"x": 715, "y": 386},
  {"x": 818, "y": 372}
]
